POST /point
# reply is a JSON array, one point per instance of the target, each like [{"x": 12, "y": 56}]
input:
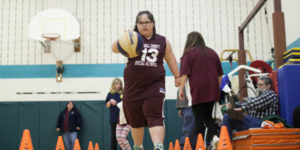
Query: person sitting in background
[
  {"x": 69, "y": 123},
  {"x": 265, "y": 104}
]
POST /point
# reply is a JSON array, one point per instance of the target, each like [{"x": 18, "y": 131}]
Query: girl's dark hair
[
  {"x": 150, "y": 16},
  {"x": 194, "y": 39},
  {"x": 68, "y": 103}
]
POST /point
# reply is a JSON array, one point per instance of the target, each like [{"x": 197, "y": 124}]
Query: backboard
[{"x": 54, "y": 21}]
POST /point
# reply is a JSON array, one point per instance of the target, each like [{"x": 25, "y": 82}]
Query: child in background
[
  {"x": 114, "y": 97},
  {"x": 123, "y": 129}
]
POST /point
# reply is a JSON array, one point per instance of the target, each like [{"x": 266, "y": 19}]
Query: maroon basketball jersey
[{"x": 144, "y": 76}]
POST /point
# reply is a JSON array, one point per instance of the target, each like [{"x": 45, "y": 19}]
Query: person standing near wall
[
  {"x": 114, "y": 97},
  {"x": 144, "y": 78},
  {"x": 201, "y": 65},
  {"x": 69, "y": 123}
]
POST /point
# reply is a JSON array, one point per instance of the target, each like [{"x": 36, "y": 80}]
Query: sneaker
[
  {"x": 214, "y": 142},
  {"x": 138, "y": 147},
  {"x": 158, "y": 147}
]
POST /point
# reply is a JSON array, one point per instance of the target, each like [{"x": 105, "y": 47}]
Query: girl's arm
[
  {"x": 181, "y": 92},
  {"x": 172, "y": 63},
  {"x": 108, "y": 104},
  {"x": 107, "y": 101}
]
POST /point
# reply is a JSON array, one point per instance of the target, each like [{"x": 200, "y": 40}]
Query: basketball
[{"x": 130, "y": 43}]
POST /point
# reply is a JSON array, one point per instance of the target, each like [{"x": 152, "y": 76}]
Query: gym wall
[
  {"x": 26, "y": 70},
  {"x": 102, "y": 21}
]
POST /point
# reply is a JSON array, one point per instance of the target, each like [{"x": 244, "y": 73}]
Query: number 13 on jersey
[{"x": 154, "y": 53}]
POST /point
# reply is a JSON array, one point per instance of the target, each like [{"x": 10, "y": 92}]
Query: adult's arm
[
  {"x": 59, "y": 121},
  {"x": 264, "y": 101},
  {"x": 78, "y": 120}
]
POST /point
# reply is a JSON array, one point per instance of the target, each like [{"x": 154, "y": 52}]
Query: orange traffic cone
[
  {"x": 60, "y": 144},
  {"x": 224, "y": 142},
  {"x": 96, "y": 146},
  {"x": 26, "y": 143},
  {"x": 177, "y": 145},
  {"x": 90, "y": 146},
  {"x": 200, "y": 143},
  {"x": 76, "y": 145},
  {"x": 187, "y": 144},
  {"x": 171, "y": 146}
]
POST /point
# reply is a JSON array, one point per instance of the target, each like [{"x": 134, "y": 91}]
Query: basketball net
[
  {"x": 54, "y": 49},
  {"x": 49, "y": 38}
]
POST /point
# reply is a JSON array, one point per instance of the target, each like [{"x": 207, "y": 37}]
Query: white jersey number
[{"x": 154, "y": 52}]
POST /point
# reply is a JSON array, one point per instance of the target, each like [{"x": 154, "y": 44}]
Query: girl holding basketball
[
  {"x": 113, "y": 97},
  {"x": 144, "y": 78}
]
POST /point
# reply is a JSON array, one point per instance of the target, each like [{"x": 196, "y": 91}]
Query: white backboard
[{"x": 56, "y": 21}]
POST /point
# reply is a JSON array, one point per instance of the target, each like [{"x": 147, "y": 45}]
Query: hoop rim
[{"x": 50, "y": 36}]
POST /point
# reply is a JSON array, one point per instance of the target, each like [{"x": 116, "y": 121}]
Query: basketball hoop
[{"x": 49, "y": 37}]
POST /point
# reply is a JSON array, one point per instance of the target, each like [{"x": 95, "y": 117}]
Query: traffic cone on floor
[
  {"x": 177, "y": 145},
  {"x": 187, "y": 144},
  {"x": 60, "y": 144},
  {"x": 90, "y": 147},
  {"x": 224, "y": 142},
  {"x": 200, "y": 143},
  {"x": 26, "y": 143},
  {"x": 96, "y": 146},
  {"x": 171, "y": 146},
  {"x": 76, "y": 145}
]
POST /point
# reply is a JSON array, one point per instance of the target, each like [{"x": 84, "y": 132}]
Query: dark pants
[
  {"x": 203, "y": 118},
  {"x": 113, "y": 139},
  {"x": 240, "y": 125},
  {"x": 188, "y": 127}
]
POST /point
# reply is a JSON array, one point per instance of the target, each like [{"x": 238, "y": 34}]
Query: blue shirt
[{"x": 113, "y": 110}]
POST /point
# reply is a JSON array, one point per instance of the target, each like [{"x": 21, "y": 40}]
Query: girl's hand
[
  {"x": 181, "y": 94},
  {"x": 113, "y": 102},
  {"x": 177, "y": 81}
]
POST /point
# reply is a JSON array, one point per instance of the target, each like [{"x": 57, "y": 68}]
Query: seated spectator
[{"x": 265, "y": 104}]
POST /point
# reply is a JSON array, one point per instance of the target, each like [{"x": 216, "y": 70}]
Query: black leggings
[
  {"x": 113, "y": 139},
  {"x": 203, "y": 118}
]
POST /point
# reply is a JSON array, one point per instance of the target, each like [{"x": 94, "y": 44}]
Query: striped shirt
[{"x": 264, "y": 105}]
